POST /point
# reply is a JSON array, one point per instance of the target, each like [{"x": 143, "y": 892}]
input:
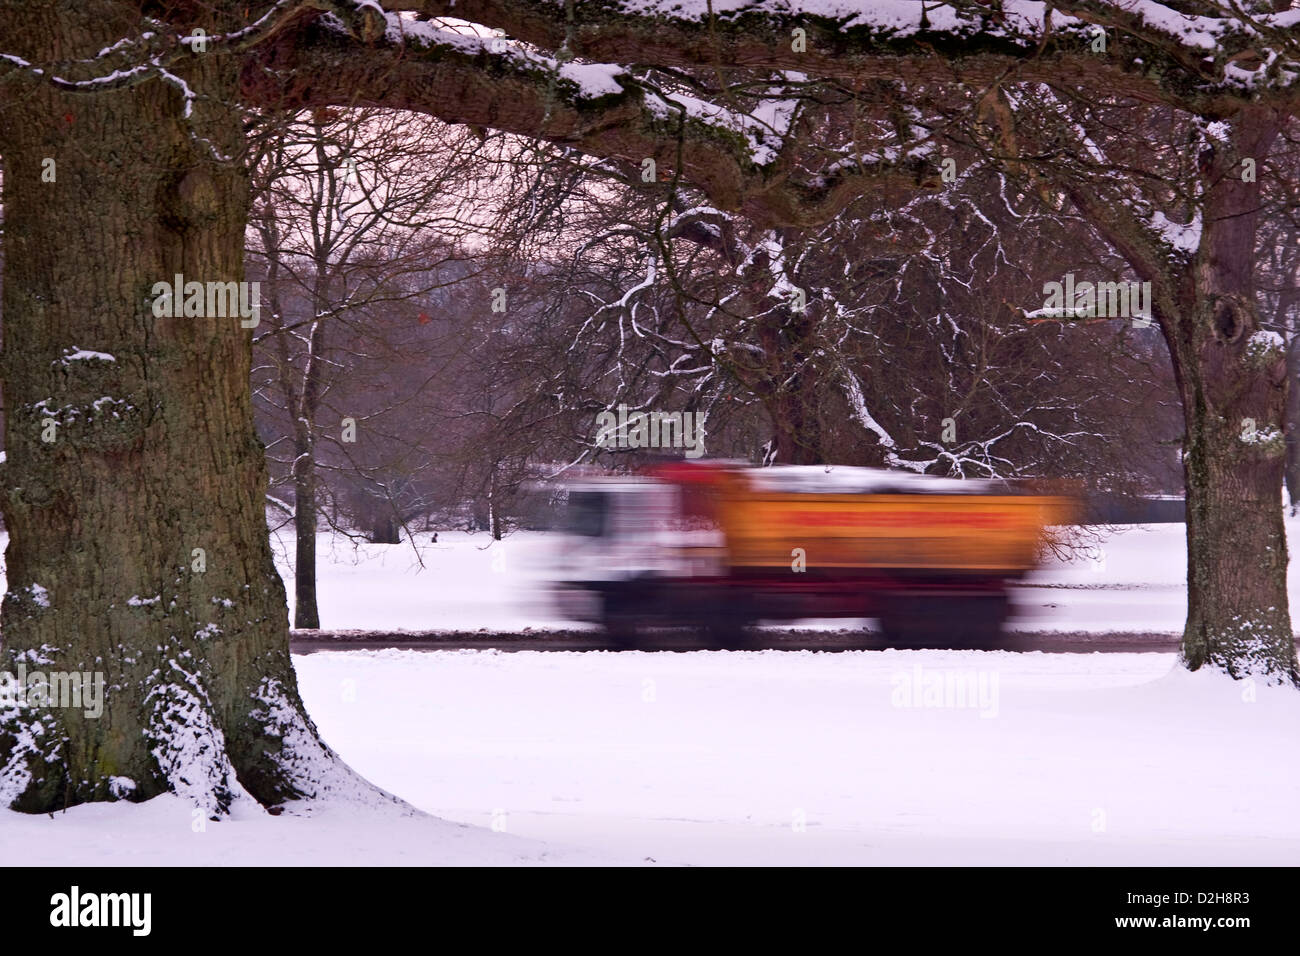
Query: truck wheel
[
  {"x": 945, "y": 622},
  {"x": 730, "y": 637},
  {"x": 620, "y": 621},
  {"x": 983, "y": 622},
  {"x": 898, "y": 624},
  {"x": 726, "y": 629}
]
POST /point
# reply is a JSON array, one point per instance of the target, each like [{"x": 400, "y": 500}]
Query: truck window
[{"x": 586, "y": 513}]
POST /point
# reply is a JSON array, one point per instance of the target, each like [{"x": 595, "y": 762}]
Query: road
[{"x": 779, "y": 639}]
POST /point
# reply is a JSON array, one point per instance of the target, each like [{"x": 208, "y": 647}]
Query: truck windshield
[{"x": 586, "y": 513}]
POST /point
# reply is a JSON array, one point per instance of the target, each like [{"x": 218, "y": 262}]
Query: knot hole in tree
[
  {"x": 191, "y": 201},
  {"x": 1232, "y": 317}
]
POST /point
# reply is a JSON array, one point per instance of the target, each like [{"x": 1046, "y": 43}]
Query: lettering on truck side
[{"x": 894, "y": 519}]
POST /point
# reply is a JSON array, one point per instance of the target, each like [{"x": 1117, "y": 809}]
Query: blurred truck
[{"x": 721, "y": 546}]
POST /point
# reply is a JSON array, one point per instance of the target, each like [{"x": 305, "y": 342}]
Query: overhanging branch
[{"x": 596, "y": 109}]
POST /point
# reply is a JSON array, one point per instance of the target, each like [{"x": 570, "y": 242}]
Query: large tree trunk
[
  {"x": 138, "y": 541},
  {"x": 1237, "y": 617},
  {"x": 1233, "y": 385}
]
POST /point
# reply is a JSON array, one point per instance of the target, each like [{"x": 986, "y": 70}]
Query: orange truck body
[
  {"x": 790, "y": 543},
  {"x": 999, "y": 534}
]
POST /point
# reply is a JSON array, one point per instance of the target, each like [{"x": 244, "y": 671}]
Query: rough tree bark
[
  {"x": 139, "y": 545},
  {"x": 787, "y": 377},
  {"x": 1233, "y": 384}
]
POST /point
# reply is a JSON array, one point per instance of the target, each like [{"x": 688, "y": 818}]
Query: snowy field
[
  {"x": 895, "y": 757},
  {"x": 708, "y": 758}
]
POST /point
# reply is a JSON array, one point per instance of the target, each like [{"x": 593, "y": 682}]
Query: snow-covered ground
[
  {"x": 165, "y": 831},
  {"x": 1134, "y": 579},
  {"x": 865, "y": 757},
  {"x": 896, "y": 757},
  {"x": 462, "y": 582},
  {"x": 861, "y": 757}
]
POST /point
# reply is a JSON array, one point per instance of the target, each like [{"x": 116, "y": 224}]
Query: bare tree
[{"x": 356, "y": 214}]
